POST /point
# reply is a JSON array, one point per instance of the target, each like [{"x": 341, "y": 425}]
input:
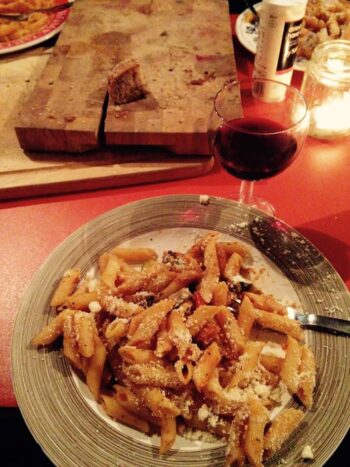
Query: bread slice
[{"x": 125, "y": 82}]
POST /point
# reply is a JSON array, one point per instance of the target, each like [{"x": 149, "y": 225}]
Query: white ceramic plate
[
  {"x": 50, "y": 29},
  {"x": 247, "y": 34},
  {"x": 56, "y": 405}
]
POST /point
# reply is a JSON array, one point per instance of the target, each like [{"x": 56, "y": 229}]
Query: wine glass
[{"x": 256, "y": 129}]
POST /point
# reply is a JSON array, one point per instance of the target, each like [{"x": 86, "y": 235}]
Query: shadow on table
[
  {"x": 18, "y": 447},
  {"x": 336, "y": 251}
]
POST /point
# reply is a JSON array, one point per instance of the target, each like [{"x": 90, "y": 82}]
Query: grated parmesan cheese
[
  {"x": 95, "y": 307},
  {"x": 92, "y": 285},
  {"x": 273, "y": 350},
  {"x": 199, "y": 435},
  {"x": 204, "y": 199},
  {"x": 261, "y": 390},
  {"x": 307, "y": 453},
  {"x": 203, "y": 413},
  {"x": 90, "y": 274},
  {"x": 113, "y": 303},
  {"x": 236, "y": 279}
]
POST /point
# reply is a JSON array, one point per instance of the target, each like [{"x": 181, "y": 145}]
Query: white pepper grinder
[{"x": 279, "y": 27}]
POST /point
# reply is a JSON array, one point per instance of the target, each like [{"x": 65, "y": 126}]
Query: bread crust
[{"x": 125, "y": 83}]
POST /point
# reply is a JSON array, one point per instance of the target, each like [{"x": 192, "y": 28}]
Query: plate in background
[{"x": 50, "y": 29}]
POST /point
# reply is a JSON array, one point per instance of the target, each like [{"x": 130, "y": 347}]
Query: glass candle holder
[{"x": 326, "y": 88}]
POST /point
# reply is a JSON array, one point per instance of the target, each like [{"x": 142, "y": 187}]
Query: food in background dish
[
  {"x": 323, "y": 21},
  {"x": 11, "y": 30},
  {"x": 174, "y": 345}
]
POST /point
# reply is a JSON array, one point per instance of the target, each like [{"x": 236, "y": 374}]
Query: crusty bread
[{"x": 125, "y": 82}]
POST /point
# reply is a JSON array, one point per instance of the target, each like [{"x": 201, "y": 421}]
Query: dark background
[
  {"x": 236, "y": 6},
  {"x": 18, "y": 448}
]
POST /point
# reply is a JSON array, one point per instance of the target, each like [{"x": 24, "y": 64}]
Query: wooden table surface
[{"x": 312, "y": 195}]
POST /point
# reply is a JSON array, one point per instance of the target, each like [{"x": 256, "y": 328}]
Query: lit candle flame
[{"x": 331, "y": 119}]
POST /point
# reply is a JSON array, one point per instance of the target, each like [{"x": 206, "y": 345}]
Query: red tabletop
[{"x": 312, "y": 195}]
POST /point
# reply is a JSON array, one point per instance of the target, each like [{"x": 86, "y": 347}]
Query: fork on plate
[{"x": 321, "y": 322}]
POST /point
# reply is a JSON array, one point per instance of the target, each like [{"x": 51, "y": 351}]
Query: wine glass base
[{"x": 260, "y": 204}]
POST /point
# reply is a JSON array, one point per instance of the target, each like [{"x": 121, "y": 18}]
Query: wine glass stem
[{"x": 246, "y": 191}]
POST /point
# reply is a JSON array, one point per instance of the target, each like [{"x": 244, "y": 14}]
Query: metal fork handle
[{"x": 324, "y": 322}]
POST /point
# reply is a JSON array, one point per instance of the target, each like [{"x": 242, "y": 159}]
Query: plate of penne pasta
[
  {"x": 157, "y": 334},
  {"x": 37, "y": 28}
]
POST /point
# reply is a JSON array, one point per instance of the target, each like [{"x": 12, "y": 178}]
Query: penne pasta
[
  {"x": 201, "y": 316},
  {"x": 234, "y": 247},
  {"x": 279, "y": 323},
  {"x": 209, "y": 332},
  {"x": 133, "y": 283},
  {"x": 132, "y": 354},
  {"x": 212, "y": 271},
  {"x": 271, "y": 363},
  {"x": 206, "y": 365},
  {"x": 53, "y": 330},
  {"x": 70, "y": 344},
  {"x": 135, "y": 322},
  {"x": 85, "y": 331},
  {"x": 222, "y": 257},
  {"x": 65, "y": 287},
  {"x": 220, "y": 429},
  {"x": 150, "y": 323},
  {"x": 220, "y": 294},
  {"x": 183, "y": 279},
  {"x": 246, "y": 316},
  {"x": 81, "y": 301},
  {"x": 102, "y": 262},
  {"x": 134, "y": 255},
  {"x": 184, "y": 371},
  {"x": 247, "y": 363},
  {"x": 110, "y": 271},
  {"x": 266, "y": 302},
  {"x": 233, "y": 266},
  {"x": 164, "y": 344},
  {"x": 290, "y": 367},
  {"x": 171, "y": 345},
  {"x": 152, "y": 375},
  {"x": 254, "y": 435},
  {"x": 130, "y": 401},
  {"x": 14, "y": 30},
  {"x": 115, "y": 410},
  {"x": 159, "y": 405},
  {"x": 281, "y": 427},
  {"x": 167, "y": 434},
  {"x": 231, "y": 330},
  {"x": 181, "y": 337},
  {"x": 234, "y": 451},
  {"x": 307, "y": 377},
  {"x": 95, "y": 368},
  {"x": 115, "y": 331}
]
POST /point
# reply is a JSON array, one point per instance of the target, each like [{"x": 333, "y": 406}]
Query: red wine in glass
[
  {"x": 256, "y": 128},
  {"x": 254, "y": 148}
]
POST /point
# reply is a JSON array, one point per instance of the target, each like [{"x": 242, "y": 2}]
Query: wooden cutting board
[
  {"x": 185, "y": 52},
  {"x": 32, "y": 173}
]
